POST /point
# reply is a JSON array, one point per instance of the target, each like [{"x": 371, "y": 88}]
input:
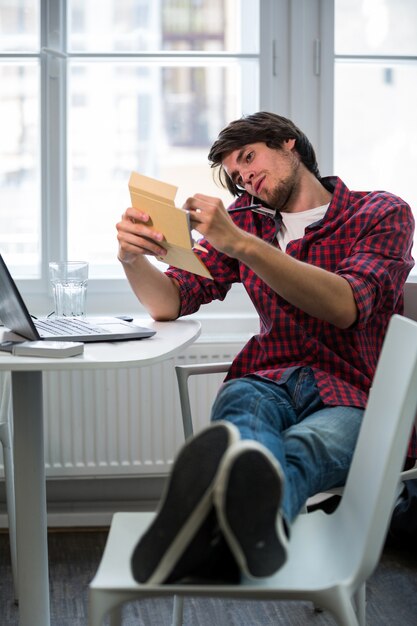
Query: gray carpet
[{"x": 74, "y": 556}]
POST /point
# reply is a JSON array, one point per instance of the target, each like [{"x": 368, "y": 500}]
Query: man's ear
[{"x": 289, "y": 144}]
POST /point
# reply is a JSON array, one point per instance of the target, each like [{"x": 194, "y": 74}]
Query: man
[{"x": 325, "y": 273}]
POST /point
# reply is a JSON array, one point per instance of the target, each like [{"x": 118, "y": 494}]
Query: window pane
[
  {"x": 382, "y": 27},
  {"x": 164, "y": 25},
  {"x": 159, "y": 120},
  {"x": 19, "y": 26},
  {"x": 375, "y": 127},
  {"x": 20, "y": 232}
]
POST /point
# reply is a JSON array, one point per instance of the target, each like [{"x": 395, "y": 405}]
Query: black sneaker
[
  {"x": 248, "y": 498},
  {"x": 185, "y": 506},
  {"x": 208, "y": 559}
]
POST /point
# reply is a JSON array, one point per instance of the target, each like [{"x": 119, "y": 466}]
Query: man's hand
[
  {"x": 210, "y": 219},
  {"x": 156, "y": 291},
  {"x": 136, "y": 238}
]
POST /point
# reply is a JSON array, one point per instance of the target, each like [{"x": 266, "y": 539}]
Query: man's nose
[{"x": 247, "y": 177}]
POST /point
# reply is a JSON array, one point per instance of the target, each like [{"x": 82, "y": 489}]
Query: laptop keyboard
[{"x": 68, "y": 326}]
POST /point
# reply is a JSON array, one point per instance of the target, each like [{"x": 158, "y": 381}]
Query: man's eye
[{"x": 249, "y": 157}]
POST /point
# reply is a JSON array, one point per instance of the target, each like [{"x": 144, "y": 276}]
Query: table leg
[{"x": 31, "y": 520}]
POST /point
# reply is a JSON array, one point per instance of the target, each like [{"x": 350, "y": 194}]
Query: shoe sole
[
  {"x": 185, "y": 504},
  {"x": 248, "y": 498},
  {"x": 207, "y": 559}
]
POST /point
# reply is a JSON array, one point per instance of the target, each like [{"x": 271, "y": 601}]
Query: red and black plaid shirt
[{"x": 366, "y": 237}]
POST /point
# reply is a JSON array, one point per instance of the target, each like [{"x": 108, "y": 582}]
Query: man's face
[{"x": 268, "y": 174}]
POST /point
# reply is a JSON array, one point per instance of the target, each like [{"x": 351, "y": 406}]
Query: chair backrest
[{"x": 371, "y": 486}]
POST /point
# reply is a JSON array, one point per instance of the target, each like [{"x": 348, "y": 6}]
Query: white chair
[
  {"x": 6, "y": 439},
  {"x": 197, "y": 369},
  {"x": 330, "y": 556},
  {"x": 183, "y": 373}
]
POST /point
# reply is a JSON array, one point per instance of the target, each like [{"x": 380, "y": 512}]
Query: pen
[
  {"x": 245, "y": 208},
  {"x": 258, "y": 208}
]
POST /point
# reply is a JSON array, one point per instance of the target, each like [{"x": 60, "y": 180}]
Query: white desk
[{"x": 31, "y": 521}]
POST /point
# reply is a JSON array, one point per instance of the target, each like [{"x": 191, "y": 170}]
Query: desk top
[{"x": 170, "y": 339}]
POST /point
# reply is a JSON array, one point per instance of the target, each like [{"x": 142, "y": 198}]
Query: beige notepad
[{"x": 158, "y": 200}]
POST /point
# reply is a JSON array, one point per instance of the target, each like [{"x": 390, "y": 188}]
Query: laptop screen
[{"x": 13, "y": 311}]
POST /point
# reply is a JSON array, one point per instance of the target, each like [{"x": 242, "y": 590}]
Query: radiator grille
[{"x": 123, "y": 421}]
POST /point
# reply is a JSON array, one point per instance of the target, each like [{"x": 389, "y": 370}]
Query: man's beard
[
  {"x": 282, "y": 194},
  {"x": 285, "y": 190}
]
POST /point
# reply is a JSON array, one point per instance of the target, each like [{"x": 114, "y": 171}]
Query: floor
[{"x": 74, "y": 556}]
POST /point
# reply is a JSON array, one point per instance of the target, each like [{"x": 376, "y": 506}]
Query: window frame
[{"x": 296, "y": 57}]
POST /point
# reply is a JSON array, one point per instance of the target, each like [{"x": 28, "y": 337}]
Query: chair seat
[{"x": 308, "y": 568}]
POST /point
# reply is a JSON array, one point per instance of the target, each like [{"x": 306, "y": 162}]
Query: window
[
  {"x": 149, "y": 86},
  {"x": 93, "y": 89},
  {"x": 375, "y": 94},
  {"x": 20, "y": 103},
  {"x": 96, "y": 89}
]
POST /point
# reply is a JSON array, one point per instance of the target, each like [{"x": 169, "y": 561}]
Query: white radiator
[{"x": 123, "y": 421}]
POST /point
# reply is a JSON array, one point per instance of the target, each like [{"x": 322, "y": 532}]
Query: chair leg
[
  {"x": 360, "y": 602},
  {"x": 187, "y": 420},
  {"x": 177, "y": 612},
  {"x": 116, "y": 616},
  {"x": 101, "y": 603},
  {"x": 342, "y": 606}
]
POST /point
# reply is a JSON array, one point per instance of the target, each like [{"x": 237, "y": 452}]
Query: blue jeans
[{"x": 313, "y": 443}]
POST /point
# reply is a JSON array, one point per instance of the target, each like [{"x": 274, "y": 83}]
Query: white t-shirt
[{"x": 294, "y": 224}]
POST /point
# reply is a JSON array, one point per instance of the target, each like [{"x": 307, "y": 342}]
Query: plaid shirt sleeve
[
  {"x": 196, "y": 290},
  {"x": 379, "y": 261}
]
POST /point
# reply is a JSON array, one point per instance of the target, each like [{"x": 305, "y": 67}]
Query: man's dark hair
[{"x": 265, "y": 127}]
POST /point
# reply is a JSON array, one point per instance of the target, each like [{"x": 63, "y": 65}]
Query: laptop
[{"x": 16, "y": 317}]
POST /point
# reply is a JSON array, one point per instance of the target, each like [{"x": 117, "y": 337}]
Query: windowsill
[
  {"x": 233, "y": 320},
  {"x": 234, "y": 328}
]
